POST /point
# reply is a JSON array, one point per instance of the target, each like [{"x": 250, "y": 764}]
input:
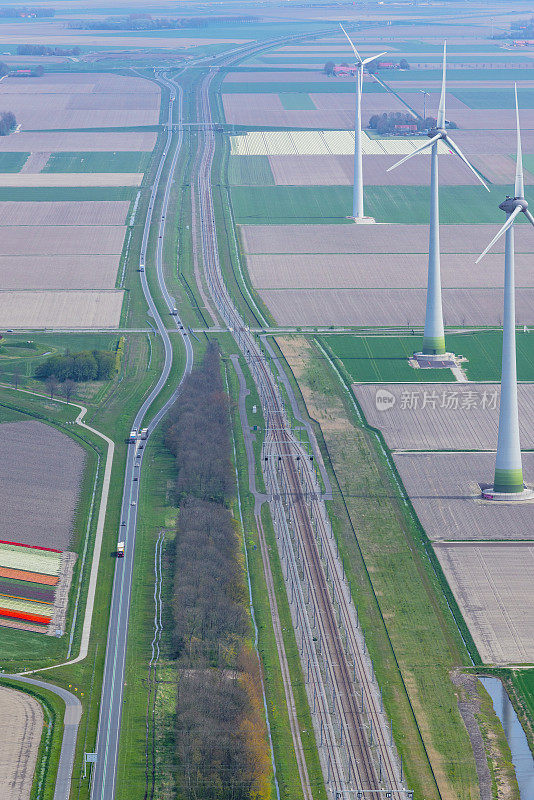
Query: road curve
[{"x": 71, "y": 721}]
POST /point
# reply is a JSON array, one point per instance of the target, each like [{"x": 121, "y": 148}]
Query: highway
[{"x": 109, "y": 725}]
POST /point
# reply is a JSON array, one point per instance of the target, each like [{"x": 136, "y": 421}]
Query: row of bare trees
[{"x": 220, "y": 733}]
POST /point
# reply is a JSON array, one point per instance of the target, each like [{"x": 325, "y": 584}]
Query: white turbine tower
[
  {"x": 434, "y": 335},
  {"x": 357, "y": 199},
  {"x": 508, "y": 482}
]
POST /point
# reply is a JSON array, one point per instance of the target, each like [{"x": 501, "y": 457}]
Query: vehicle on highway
[
  {"x": 133, "y": 503},
  {"x": 120, "y": 550},
  {"x": 144, "y": 433},
  {"x": 133, "y": 435}
]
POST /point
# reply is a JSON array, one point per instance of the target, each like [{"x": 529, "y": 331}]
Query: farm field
[
  {"x": 453, "y": 416},
  {"x": 57, "y": 239},
  {"x": 295, "y": 205},
  {"x": 373, "y": 239},
  {"x": 12, "y": 162},
  {"x": 381, "y": 358},
  {"x": 320, "y": 142},
  {"x": 497, "y": 98},
  {"x": 384, "y": 358},
  {"x": 52, "y": 179},
  {"x": 106, "y": 213},
  {"x": 21, "y": 718},
  {"x": 373, "y": 270},
  {"x": 61, "y": 253},
  {"x": 310, "y": 86},
  {"x": 378, "y": 307},
  {"x": 57, "y": 271},
  {"x": 297, "y": 102},
  {"x": 40, "y": 474},
  {"x": 126, "y": 161},
  {"x": 338, "y": 170},
  {"x": 76, "y": 141},
  {"x": 94, "y": 100},
  {"x": 445, "y": 489},
  {"x": 60, "y": 309},
  {"x": 493, "y": 584},
  {"x": 250, "y": 171}
]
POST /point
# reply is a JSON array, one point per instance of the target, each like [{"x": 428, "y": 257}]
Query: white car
[{"x": 133, "y": 503}]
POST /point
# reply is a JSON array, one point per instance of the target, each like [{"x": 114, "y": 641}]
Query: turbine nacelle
[
  {"x": 433, "y": 133},
  {"x": 511, "y": 203}
]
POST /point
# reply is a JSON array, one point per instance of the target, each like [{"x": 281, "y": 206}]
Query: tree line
[
  {"x": 7, "y": 122},
  {"x": 519, "y": 29},
  {"x": 144, "y": 22},
  {"x": 372, "y": 68},
  {"x": 88, "y": 365},
  {"x": 220, "y": 731},
  {"x": 387, "y": 122},
  {"x": 13, "y": 13},
  {"x": 44, "y": 50}
]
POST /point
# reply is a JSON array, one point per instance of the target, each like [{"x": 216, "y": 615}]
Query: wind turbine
[
  {"x": 508, "y": 467},
  {"x": 434, "y": 335},
  {"x": 357, "y": 199}
]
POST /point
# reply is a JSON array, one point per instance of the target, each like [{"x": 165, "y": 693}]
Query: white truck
[
  {"x": 133, "y": 435},
  {"x": 120, "y": 550}
]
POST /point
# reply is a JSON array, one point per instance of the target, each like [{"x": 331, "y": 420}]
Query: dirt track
[{"x": 21, "y": 721}]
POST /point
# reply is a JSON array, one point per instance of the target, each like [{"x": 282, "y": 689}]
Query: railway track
[{"x": 355, "y": 742}]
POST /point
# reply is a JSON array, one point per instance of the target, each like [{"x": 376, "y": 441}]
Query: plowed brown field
[{"x": 21, "y": 722}]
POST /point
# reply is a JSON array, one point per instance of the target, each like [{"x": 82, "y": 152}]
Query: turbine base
[
  {"x": 435, "y": 360},
  {"x": 508, "y": 497},
  {"x": 362, "y": 220}
]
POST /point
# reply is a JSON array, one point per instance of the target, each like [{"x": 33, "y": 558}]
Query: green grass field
[
  {"x": 295, "y": 101},
  {"x": 332, "y": 204},
  {"x": 277, "y": 87},
  {"x": 250, "y": 171},
  {"x": 484, "y": 353},
  {"x": 12, "y": 162},
  {"x": 384, "y": 358},
  {"x": 524, "y": 683},
  {"x": 495, "y": 98},
  {"x": 96, "y": 162},
  {"x": 381, "y": 358}
]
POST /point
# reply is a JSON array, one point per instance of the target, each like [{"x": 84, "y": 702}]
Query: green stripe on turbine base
[
  {"x": 508, "y": 481},
  {"x": 433, "y": 345}
]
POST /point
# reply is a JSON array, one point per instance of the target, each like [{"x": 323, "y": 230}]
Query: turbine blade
[
  {"x": 351, "y": 44},
  {"x": 419, "y": 149},
  {"x": 372, "y": 58},
  {"x": 529, "y": 216},
  {"x": 459, "y": 153},
  {"x": 508, "y": 224},
  {"x": 441, "y": 109},
  {"x": 519, "y": 183}
]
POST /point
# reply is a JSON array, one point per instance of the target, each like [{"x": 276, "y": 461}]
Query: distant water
[{"x": 515, "y": 735}]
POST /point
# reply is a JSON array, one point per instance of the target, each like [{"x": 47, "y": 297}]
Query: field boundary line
[{"x": 88, "y": 618}]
